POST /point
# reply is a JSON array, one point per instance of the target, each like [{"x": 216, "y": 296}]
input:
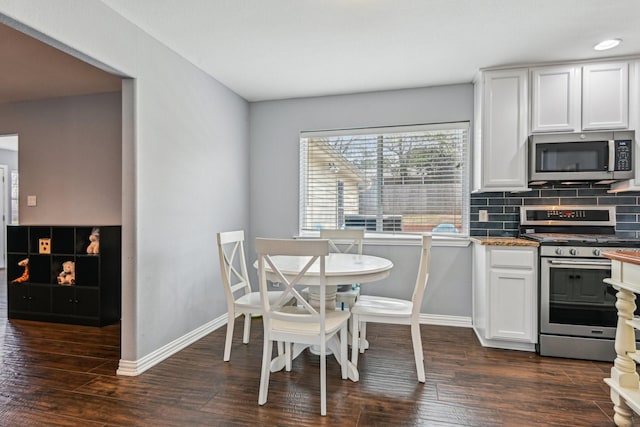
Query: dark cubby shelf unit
[{"x": 93, "y": 300}]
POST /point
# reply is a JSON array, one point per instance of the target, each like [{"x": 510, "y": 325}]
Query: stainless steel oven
[
  {"x": 577, "y": 309},
  {"x": 577, "y": 313}
]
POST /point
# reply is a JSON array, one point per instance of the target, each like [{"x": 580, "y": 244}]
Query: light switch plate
[
  {"x": 31, "y": 201},
  {"x": 483, "y": 216}
]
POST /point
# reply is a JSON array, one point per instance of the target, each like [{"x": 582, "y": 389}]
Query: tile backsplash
[{"x": 503, "y": 208}]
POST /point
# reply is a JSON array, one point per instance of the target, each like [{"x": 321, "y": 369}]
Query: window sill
[{"x": 402, "y": 239}]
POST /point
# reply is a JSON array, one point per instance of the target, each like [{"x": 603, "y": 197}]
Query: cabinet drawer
[{"x": 512, "y": 258}]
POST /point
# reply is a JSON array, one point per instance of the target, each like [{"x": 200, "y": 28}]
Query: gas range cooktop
[
  {"x": 568, "y": 239},
  {"x": 573, "y": 226}
]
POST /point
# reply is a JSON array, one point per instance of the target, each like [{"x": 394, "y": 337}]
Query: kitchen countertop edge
[
  {"x": 504, "y": 241},
  {"x": 631, "y": 257}
]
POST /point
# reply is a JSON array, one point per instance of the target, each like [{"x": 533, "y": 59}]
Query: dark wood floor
[{"x": 61, "y": 375}]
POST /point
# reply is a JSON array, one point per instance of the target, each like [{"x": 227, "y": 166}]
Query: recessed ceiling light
[{"x": 607, "y": 44}]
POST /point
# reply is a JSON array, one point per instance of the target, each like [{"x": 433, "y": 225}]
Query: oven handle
[{"x": 586, "y": 263}]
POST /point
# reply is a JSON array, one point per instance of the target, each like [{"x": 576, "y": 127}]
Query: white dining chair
[
  {"x": 298, "y": 325},
  {"x": 241, "y": 300},
  {"x": 379, "y": 309}
]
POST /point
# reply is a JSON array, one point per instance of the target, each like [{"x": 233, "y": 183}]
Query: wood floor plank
[{"x": 65, "y": 375}]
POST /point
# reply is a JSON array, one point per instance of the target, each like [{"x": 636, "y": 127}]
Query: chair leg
[
  {"x": 264, "y": 375},
  {"x": 288, "y": 350},
  {"x": 323, "y": 378},
  {"x": 417, "y": 350},
  {"x": 247, "y": 328},
  {"x": 355, "y": 339},
  {"x": 344, "y": 357},
  {"x": 231, "y": 318},
  {"x": 364, "y": 344}
]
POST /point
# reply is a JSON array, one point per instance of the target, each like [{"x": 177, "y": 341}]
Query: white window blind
[{"x": 388, "y": 180}]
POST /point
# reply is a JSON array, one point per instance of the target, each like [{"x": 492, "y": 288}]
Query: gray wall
[
  {"x": 274, "y": 142},
  {"x": 185, "y": 168},
  {"x": 70, "y": 158}
]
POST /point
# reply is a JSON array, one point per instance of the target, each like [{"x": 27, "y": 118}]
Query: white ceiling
[{"x": 275, "y": 49}]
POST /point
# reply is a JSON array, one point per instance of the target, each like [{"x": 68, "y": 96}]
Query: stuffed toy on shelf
[
  {"x": 94, "y": 239},
  {"x": 68, "y": 274},
  {"x": 25, "y": 274}
]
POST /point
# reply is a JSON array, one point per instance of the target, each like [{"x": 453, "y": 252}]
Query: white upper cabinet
[
  {"x": 500, "y": 146},
  {"x": 605, "y": 96},
  {"x": 555, "y": 99},
  {"x": 572, "y": 98},
  {"x": 634, "y": 124}
]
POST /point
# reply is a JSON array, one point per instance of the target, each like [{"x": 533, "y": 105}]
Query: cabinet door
[
  {"x": 512, "y": 302},
  {"x": 76, "y": 301},
  {"x": 555, "y": 99},
  {"x": 504, "y": 130},
  {"x": 87, "y": 302},
  {"x": 63, "y": 300},
  {"x": 605, "y": 96},
  {"x": 31, "y": 298}
]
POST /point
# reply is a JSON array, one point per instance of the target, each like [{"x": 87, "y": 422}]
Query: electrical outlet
[
  {"x": 31, "y": 201},
  {"x": 483, "y": 216}
]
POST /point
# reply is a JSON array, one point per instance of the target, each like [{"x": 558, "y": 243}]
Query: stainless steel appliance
[
  {"x": 587, "y": 156},
  {"x": 577, "y": 309}
]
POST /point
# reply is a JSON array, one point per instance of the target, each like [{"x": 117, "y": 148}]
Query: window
[{"x": 387, "y": 180}]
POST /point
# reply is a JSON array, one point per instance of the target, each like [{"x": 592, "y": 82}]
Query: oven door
[{"x": 574, "y": 300}]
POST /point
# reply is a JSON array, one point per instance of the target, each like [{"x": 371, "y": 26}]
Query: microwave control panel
[{"x": 622, "y": 155}]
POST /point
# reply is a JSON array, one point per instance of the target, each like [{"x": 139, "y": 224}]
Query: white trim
[
  {"x": 405, "y": 239},
  {"x": 133, "y": 368},
  {"x": 504, "y": 344},
  {"x": 385, "y": 129},
  {"x": 6, "y": 194},
  {"x": 444, "y": 320}
]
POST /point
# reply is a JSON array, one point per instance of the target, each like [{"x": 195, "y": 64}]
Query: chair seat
[
  {"x": 382, "y": 306},
  {"x": 252, "y": 299},
  {"x": 333, "y": 321}
]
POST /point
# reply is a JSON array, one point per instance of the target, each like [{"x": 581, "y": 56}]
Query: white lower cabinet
[{"x": 505, "y": 296}]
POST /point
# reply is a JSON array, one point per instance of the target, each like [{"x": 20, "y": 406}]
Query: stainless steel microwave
[{"x": 586, "y": 156}]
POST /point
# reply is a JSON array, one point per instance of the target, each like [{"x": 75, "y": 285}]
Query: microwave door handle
[{"x": 612, "y": 155}]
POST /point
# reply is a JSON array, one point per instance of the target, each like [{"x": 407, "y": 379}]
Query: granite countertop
[
  {"x": 504, "y": 241},
  {"x": 630, "y": 256}
]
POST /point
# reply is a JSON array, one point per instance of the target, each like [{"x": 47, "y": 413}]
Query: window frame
[{"x": 382, "y": 237}]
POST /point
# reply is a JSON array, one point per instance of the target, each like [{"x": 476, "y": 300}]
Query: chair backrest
[
  {"x": 353, "y": 238},
  {"x": 233, "y": 266},
  {"x": 314, "y": 251},
  {"x": 423, "y": 275}
]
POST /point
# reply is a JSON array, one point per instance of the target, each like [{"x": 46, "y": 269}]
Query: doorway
[{"x": 8, "y": 200}]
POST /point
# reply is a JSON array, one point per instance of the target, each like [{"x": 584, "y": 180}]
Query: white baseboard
[
  {"x": 504, "y": 344},
  {"x": 133, "y": 368},
  {"x": 443, "y": 320}
]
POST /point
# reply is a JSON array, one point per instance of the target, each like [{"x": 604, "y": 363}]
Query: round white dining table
[{"x": 340, "y": 269}]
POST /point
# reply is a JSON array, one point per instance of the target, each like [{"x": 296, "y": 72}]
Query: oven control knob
[
  {"x": 559, "y": 251},
  {"x": 596, "y": 252},
  {"x": 573, "y": 251}
]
